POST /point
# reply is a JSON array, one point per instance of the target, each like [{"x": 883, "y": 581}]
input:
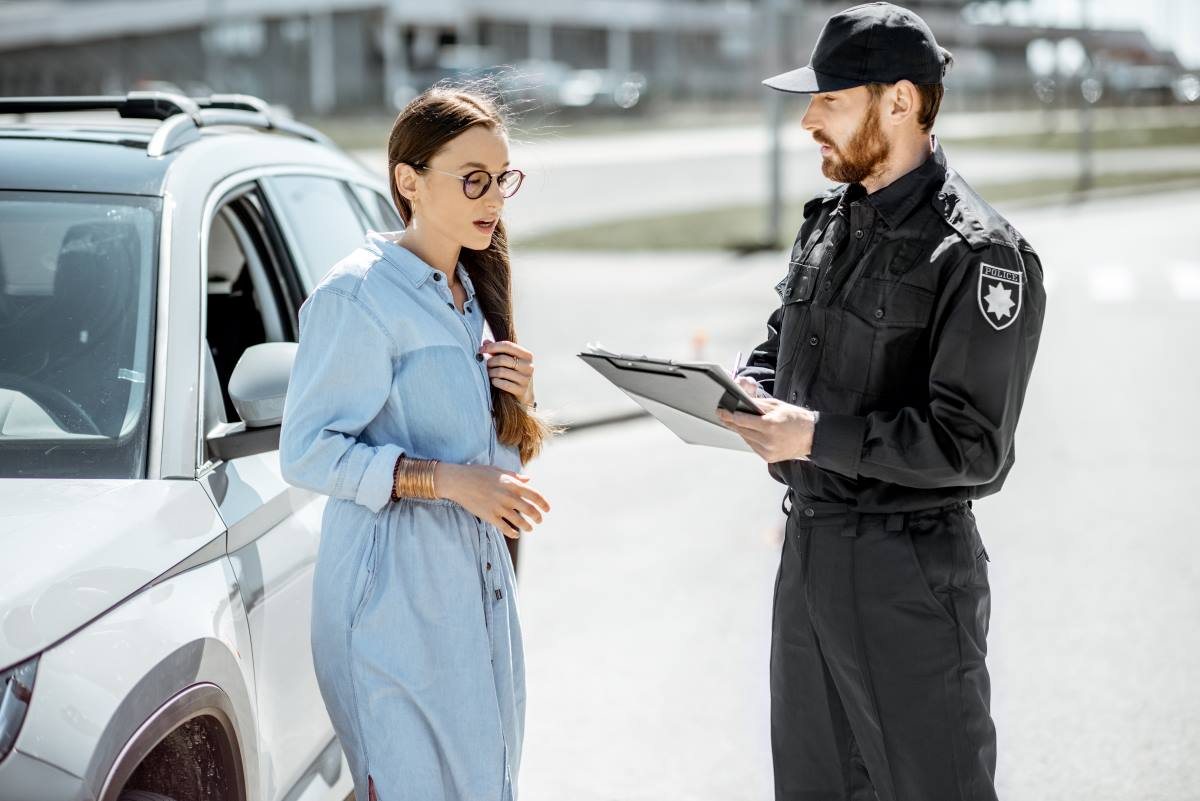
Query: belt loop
[
  {"x": 850, "y": 525},
  {"x": 895, "y": 522}
]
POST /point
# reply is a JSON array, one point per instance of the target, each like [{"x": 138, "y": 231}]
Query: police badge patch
[{"x": 999, "y": 295}]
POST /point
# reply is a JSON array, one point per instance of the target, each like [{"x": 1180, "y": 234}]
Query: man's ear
[
  {"x": 902, "y": 102},
  {"x": 406, "y": 181}
]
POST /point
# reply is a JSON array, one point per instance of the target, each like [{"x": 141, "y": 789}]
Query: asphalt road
[{"x": 645, "y": 595}]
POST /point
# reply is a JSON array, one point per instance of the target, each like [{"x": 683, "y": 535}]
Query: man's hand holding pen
[{"x": 783, "y": 431}]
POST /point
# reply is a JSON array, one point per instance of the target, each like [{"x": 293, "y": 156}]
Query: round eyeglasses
[{"x": 477, "y": 182}]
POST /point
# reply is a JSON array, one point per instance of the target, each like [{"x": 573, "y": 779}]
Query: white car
[{"x": 155, "y": 569}]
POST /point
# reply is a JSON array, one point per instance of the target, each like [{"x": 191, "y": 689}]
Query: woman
[{"x": 415, "y": 635}]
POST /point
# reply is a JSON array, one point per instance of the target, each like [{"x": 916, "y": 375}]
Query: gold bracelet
[{"x": 416, "y": 479}]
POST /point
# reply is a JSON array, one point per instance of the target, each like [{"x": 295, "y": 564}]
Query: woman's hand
[
  {"x": 500, "y": 497},
  {"x": 510, "y": 368}
]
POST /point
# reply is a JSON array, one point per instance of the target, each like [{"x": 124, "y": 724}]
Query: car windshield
[{"x": 76, "y": 333}]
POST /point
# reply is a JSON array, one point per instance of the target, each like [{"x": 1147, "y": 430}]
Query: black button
[
  {"x": 814, "y": 341},
  {"x": 858, "y": 234},
  {"x": 468, "y": 307},
  {"x": 489, "y": 565},
  {"x": 478, "y": 357},
  {"x": 828, "y": 285},
  {"x": 794, "y": 396},
  {"x": 809, "y": 511},
  {"x": 451, "y": 305},
  {"x": 879, "y": 314},
  {"x": 437, "y": 276}
]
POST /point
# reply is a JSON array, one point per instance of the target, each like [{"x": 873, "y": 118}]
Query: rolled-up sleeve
[{"x": 340, "y": 382}]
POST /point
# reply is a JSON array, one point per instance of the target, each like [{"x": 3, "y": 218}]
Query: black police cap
[{"x": 871, "y": 43}]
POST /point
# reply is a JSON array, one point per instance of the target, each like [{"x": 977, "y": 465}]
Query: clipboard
[{"x": 683, "y": 396}]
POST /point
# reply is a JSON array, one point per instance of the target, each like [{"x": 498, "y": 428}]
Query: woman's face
[{"x": 440, "y": 202}]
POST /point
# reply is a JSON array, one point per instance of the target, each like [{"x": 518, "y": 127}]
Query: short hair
[{"x": 930, "y": 94}]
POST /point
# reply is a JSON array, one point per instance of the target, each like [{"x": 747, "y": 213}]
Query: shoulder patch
[{"x": 999, "y": 295}]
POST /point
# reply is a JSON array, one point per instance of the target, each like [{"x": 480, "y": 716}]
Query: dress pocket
[{"x": 367, "y": 573}]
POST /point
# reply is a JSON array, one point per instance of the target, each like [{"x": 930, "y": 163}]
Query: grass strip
[{"x": 735, "y": 227}]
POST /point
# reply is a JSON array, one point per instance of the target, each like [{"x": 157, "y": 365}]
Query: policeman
[{"x": 891, "y": 383}]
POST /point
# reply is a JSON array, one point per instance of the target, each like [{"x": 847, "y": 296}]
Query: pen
[{"x": 737, "y": 363}]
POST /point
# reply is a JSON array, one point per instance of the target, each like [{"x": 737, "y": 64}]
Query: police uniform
[{"x": 909, "y": 322}]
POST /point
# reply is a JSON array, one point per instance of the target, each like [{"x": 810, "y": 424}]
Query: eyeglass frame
[{"x": 486, "y": 187}]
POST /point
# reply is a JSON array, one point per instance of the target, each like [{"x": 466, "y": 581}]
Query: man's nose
[{"x": 809, "y": 121}]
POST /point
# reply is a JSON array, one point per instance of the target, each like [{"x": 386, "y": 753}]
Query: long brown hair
[{"x": 420, "y": 131}]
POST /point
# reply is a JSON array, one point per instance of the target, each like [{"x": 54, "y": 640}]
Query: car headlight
[{"x": 16, "y": 690}]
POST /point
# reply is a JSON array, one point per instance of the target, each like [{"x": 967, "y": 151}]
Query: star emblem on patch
[{"x": 999, "y": 295}]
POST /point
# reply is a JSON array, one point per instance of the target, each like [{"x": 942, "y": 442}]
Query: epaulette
[{"x": 965, "y": 211}]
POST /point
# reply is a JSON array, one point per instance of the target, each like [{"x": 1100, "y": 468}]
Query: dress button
[
  {"x": 478, "y": 357},
  {"x": 489, "y": 565},
  {"x": 814, "y": 341},
  {"x": 858, "y": 234},
  {"x": 809, "y": 511},
  {"x": 437, "y": 276},
  {"x": 879, "y": 314}
]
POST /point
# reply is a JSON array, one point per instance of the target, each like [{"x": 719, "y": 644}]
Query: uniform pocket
[
  {"x": 367, "y": 574},
  {"x": 934, "y": 562},
  {"x": 883, "y": 340}
]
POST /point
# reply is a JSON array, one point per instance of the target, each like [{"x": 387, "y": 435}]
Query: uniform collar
[
  {"x": 410, "y": 265},
  {"x": 898, "y": 199}
]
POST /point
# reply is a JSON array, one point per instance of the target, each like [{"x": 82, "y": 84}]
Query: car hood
[{"x": 72, "y": 549}]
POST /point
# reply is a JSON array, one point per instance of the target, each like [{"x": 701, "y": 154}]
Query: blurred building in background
[{"x": 331, "y": 56}]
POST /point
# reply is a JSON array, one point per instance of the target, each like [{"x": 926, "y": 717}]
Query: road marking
[
  {"x": 1110, "y": 283},
  {"x": 1185, "y": 279}
]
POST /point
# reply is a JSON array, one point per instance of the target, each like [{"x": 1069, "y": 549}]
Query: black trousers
[{"x": 878, "y": 684}]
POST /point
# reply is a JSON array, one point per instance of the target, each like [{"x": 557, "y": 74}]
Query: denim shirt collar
[{"x": 410, "y": 265}]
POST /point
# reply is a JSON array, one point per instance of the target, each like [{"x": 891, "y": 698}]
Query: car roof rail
[{"x": 182, "y": 116}]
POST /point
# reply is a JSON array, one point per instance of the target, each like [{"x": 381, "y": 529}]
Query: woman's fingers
[
  {"x": 510, "y": 387},
  {"x": 510, "y": 374},
  {"x": 528, "y": 509},
  {"x": 509, "y": 348},
  {"x": 515, "y": 518},
  {"x": 533, "y": 496},
  {"x": 507, "y": 528}
]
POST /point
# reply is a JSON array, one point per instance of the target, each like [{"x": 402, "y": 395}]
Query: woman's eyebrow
[{"x": 477, "y": 165}]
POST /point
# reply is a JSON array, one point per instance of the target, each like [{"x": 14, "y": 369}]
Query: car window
[
  {"x": 381, "y": 214},
  {"x": 77, "y": 276},
  {"x": 319, "y": 221}
]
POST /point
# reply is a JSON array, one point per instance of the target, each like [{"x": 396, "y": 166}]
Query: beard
[{"x": 862, "y": 156}]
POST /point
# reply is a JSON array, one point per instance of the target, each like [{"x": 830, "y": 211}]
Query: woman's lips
[{"x": 485, "y": 226}]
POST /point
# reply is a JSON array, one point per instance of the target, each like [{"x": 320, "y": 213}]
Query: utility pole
[
  {"x": 1088, "y": 89},
  {"x": 776, "y": 33}
]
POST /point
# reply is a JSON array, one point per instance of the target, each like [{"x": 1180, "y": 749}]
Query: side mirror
[{"x": 257, "y": 388}]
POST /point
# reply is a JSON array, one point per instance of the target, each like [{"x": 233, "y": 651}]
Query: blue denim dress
[{"x": 415, "y": 633}]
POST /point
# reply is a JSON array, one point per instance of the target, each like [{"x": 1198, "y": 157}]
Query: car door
[{"x": 274, "y": 528}]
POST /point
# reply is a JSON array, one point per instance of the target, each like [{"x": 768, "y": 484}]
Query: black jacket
[{"x": 914, "y": 342}]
